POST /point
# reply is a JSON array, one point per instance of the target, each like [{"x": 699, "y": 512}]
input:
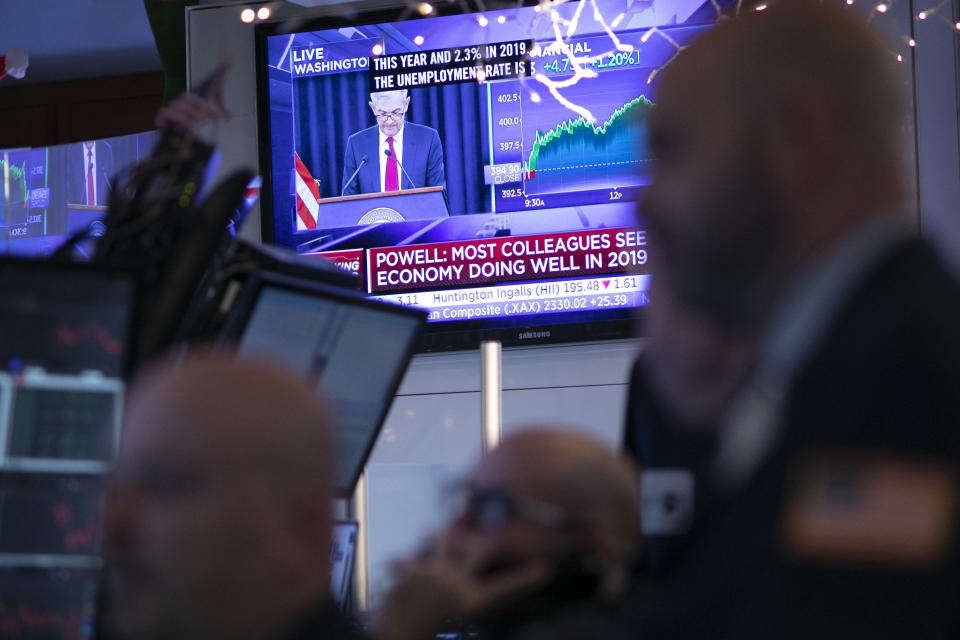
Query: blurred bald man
[
  {"x": 796, "y": 412},
  {"x": 540, "y": 545},
  {"x": 217, "y": 520}
]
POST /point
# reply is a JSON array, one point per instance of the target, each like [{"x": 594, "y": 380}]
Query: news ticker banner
[
  {"x": 508, "y": 259},
  {"x": 409, "y": 70},
  {"x": 508, "y": 300}
]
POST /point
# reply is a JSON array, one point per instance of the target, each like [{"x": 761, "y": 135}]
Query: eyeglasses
[
  {"x": 396, "y": 114},
  {"x": 490, "y": 509}
]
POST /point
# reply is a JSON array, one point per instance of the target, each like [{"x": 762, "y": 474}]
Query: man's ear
[
  {"x": 406, "y": 105},
  {"x": 371, "y": 106}
]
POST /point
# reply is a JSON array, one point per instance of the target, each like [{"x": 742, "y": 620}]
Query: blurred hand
[
  {"x": 16, "y": 62},
  {"x": 446, "y": 583},
  {"x": 188, "y": 111}
]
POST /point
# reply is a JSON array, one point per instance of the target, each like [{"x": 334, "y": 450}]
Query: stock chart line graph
[
  {"x": 578, "y": 133},
  {"x": 564, "y": 152},
  {"x": 90, "y": 332}
]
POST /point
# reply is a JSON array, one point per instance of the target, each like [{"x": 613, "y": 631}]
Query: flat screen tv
[
  {"x": 485, "y": 167},
  {"x": 354, "y": 350},
  {"x": 47, "y": 194}
]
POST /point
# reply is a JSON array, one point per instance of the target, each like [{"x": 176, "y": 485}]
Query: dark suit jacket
[
  {"x": 76, "y": 181},
  {"x": 422, "y": 159},
  {"x": 323, "y": 622},
  {"x": 884, "y": 382}
]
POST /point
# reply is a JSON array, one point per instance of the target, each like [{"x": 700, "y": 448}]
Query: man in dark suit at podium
[
  {"x": 399, "y": 154},
  {"x": 89, "y": 170}
]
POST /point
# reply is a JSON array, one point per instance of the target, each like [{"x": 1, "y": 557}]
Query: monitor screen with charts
[{"x": 354, "y": 350}]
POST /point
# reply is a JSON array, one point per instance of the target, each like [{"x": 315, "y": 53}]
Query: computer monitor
[
  {"x": 65, "y": 318},
  {"x": 50, "y": 514},
  {"x": 64, "y": 354},
  {"x": 343, "y": 550},
  {"x": 355, "y": 350}
]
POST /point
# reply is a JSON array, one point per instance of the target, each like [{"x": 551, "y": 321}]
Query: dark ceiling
[{"x": 69, "y": 39}]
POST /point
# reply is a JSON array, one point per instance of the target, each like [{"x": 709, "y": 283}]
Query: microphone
[
  {"x": 388, "y": 153},
  {"x": 355, "y": 172}
]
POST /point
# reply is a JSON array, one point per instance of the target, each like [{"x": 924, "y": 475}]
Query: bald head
[
  {"x": 218, "y": 518},
  {"x": 243, "y": 414},
  {"x": 775, "y": 135}
]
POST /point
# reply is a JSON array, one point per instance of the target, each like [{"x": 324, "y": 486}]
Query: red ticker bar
[{"x": 350, "y": 260}]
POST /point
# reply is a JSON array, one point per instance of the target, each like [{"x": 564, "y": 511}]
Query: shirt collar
[{"x": 397, "y": 139}]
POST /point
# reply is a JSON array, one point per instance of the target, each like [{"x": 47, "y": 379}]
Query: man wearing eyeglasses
[
  {"x": 538, "y": 546},
  {"x": 399, "y": 154}
]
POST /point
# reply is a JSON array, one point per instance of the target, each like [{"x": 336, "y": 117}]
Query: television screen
[
  {"x": 354, "y": 350},
  {"x": 49, "y": 193},
  {"x": 484, "y": 167}
]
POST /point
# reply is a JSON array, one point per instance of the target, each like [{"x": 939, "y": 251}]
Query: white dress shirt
[
  {"x": 397, "y": 149},
  {"x": 90, "y": 159}
]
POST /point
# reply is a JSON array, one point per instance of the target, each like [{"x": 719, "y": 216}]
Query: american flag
[{"x": 307, "y": 195}]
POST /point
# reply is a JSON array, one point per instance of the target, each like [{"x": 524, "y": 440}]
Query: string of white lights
[{"x": 565, "y": 29}]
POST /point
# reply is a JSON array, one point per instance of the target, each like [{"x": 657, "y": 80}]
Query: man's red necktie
[
  {"x": 90, "y": 199},
  {"x": 392, "y": 179}
]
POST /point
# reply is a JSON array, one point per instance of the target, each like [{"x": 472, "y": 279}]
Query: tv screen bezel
[{"x": 132, "y": 276}]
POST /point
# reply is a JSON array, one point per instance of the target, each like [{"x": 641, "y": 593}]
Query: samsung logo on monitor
[{"x": 533, "y": 335}]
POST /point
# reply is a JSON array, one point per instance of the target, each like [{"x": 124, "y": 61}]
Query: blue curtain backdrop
[
  {"x": 127, "y": 151},
  {"x": 329, "y": 108}
]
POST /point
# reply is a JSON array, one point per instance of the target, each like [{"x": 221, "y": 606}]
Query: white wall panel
[
  {"x": 449, "y": 372},
  {"x": 430, "y": 429},
  {"x": 213, "y": 33},
  {"x": 427, "y": 441},
  {"x": 605, "y": 362},
  {"x": 594, "y": 411}
]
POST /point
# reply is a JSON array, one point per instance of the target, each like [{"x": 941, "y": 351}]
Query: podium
[
  {"x": 389, "y": 206},
  {"x": 83, "y": 215}
]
